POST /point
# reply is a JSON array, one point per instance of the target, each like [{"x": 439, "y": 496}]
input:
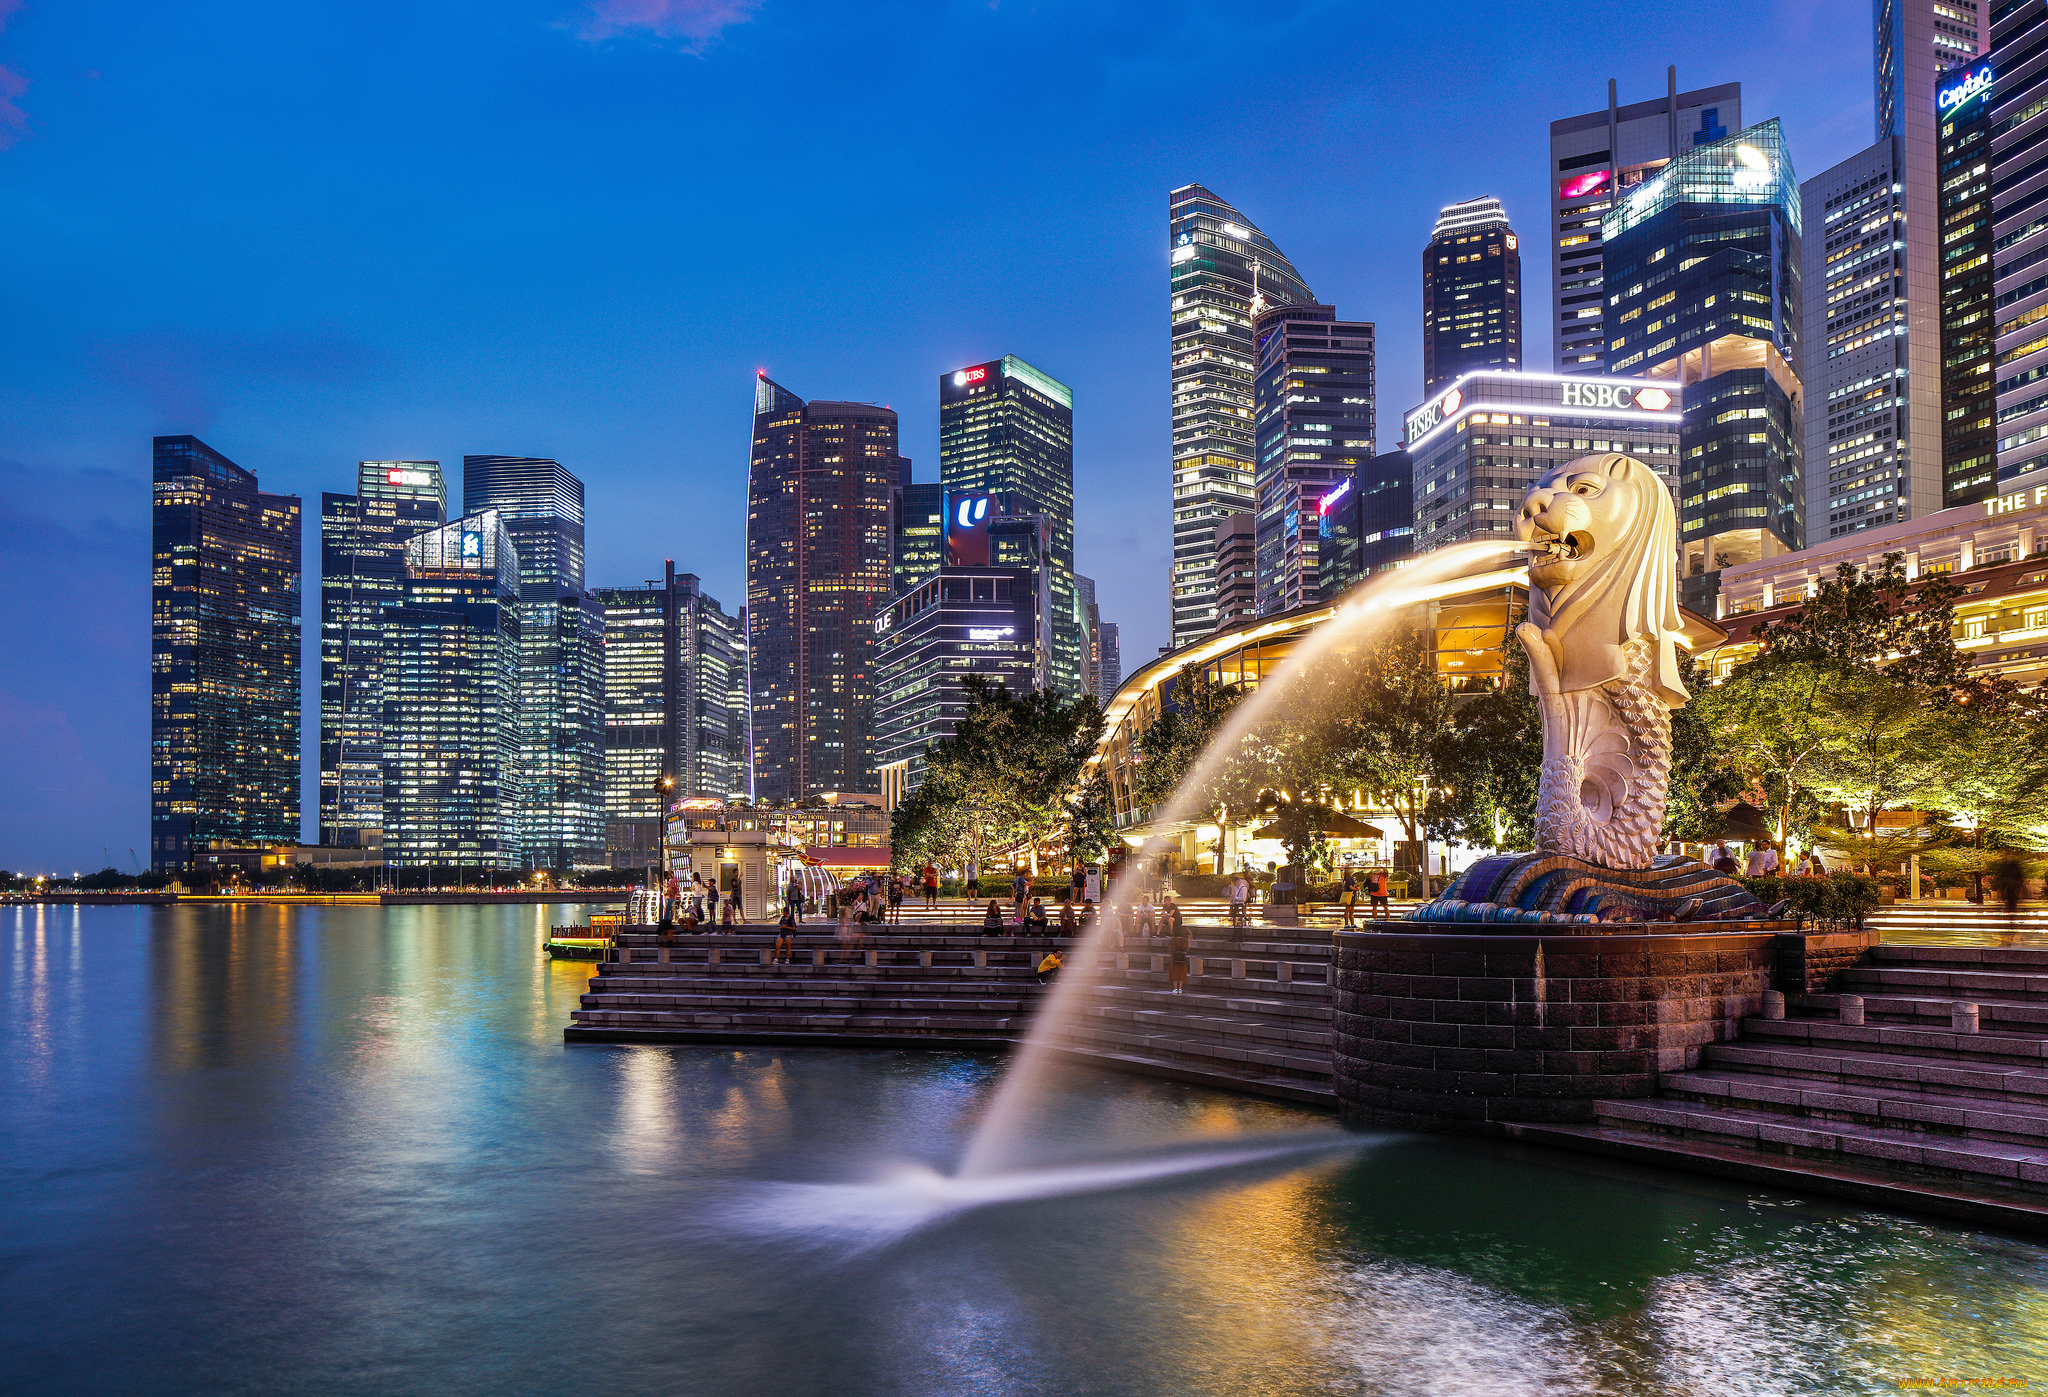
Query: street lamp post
[{"x": 661, "y": 792}]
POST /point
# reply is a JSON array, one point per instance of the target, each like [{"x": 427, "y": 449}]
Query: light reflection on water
[{"x": 262, "y": 1149}]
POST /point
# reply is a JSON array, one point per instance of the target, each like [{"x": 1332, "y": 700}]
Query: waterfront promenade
[{"x": 1912, "y": 1072}]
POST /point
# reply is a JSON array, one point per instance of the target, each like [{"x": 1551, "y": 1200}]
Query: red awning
[{"x": 847, "y": 856}]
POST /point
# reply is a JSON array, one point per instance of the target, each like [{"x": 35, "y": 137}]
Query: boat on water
[{"x": 585, "y": 942}]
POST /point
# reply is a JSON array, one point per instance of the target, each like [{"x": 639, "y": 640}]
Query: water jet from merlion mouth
[{"x": 1369, "y": 607}]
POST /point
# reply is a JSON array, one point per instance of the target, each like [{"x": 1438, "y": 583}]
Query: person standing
[
  {"x": 1020, "y": 887},
  {"x": 895, "y": 898},
  {"x": 2009, "y": 881},
  {"x": 974, "y": 880},
  {"x": 1348, "y": 896},
  {"x": 1376, "y": 889},
  {"x": 1763, "y": 861},
  {"x": 1240, "y": 897},
  {"x": 1176, "y": 951},
  {"x": 793, "y": 896},
  {"x": 931, "y": 886}
]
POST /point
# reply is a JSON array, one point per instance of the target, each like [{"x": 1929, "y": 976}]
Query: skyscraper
[
  {"x": 1969, "y": 320},
  {"x": 1109, "y": 669},
  {"x": 1314, "y": 426},
  {"x": 1223, "y": 271},
  {"x": 1237, "y": 569},
  {"x": 2020, "y": 248},
  {"x": 1859, "y": 451},
  {"x": 1879, "y": 263},
  {"x": 561, "y": 672},
  {"x": 224, "y": 655},
  {"x": 1593, "y": 158},
  {"x": 675, "y": 706},
  {"x": 1703, "y": 279},
  {"x": 1366, "y": 522},
  {"x": 984, "y": 612},
  {"x": 1088, "y": 616},
  {"x": 1007, "y": 430},
  {"x": 918, "y": 532},
  {"x": 453, "y": 727},
  {"x": 1471, "y": 294},
  {"x": 362, "y": 570},
  {"x": 818, "y": 573}
]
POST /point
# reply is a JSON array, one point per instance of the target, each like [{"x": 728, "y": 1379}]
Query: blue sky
[{"x": 321, "y": 232}]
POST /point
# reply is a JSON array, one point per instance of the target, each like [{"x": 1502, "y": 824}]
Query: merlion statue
[{"x": 1602, "y": 638}]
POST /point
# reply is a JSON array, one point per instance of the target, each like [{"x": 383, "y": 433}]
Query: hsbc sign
[{"x": 1612, "y": 397}]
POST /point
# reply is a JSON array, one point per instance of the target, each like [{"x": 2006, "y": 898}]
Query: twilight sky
[{"x": 320, "y": 232}]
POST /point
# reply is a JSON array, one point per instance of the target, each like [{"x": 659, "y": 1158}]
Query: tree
[
  {"x": 1378, "y": 718},
  {"x": 1490, "y": 763},
  {"x": 1881, "y": 734},
  {"x": 1766, "y": 718},
  {"x": 1870, "y": 620},
  {"x": 1702, "y": 781},
  {"x": 1001, "y": 782},
  {"x": 1171, "y": 748},
  {"x": 1091, "y": 819}
]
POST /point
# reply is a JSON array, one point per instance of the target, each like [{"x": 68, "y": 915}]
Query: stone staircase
[
  {"x": 936, "y": 984},
  {"x": 1882, "y": 1089},
  {"x": 1255, "y": 1016}
]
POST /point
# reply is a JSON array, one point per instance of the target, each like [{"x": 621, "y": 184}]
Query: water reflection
[{"x": 344, "y": 1149}]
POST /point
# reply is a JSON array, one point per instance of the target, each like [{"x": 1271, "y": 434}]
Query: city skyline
[{"x": 278, "y": 375}]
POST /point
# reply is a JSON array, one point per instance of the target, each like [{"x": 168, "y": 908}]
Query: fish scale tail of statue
[{"x": 1602, "y": 638}]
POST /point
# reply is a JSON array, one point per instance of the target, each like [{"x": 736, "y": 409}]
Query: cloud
[
  {"x": 695, "y": 22},
  {"x": 13, "y": 120}
]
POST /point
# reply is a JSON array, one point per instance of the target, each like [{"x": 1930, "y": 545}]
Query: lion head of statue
[{"x": 1605, "y": 570}]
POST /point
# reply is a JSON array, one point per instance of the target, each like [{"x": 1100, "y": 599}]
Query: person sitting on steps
[{"x": 1050, "y": 966}]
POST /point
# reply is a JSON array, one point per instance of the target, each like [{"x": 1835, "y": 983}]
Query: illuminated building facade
[
  {"x": 1007, "y": 430},
  {"x": 1109, "y": 665},
  {"x": 674, "y": 706},
  {"x": 2019, "y": 212},
  {"x": 540, "y": 505},
  {"x": 1477, "y": 447},
  {"x": 224, "y": 656},
  {"x": 1703, "y": 282},
  {"x": 1592, "y": 157},
  {"x": 453, "y": 728},
  {"x": 1995, "y": 550},
  {"x": 1366, "y": 523},
  {"x": 987, "y": 611},
  {"x": 362, "y": 570},
  {"x": 1471, "y": 294},
  {"x": 819, "y": 569},
  {"x": 1314, "y": 414},
  {"x": 1969, "y": 313},
  {"x": 1222, "y": 272},
  {"x": 1237, "y": 568},
  {"x": 918, "y": 532}
]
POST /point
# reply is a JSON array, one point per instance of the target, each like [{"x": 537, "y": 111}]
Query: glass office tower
[
  {"x": 918, "y": 535},
  {"x": 675, "y": 706},
  {"x": 561, "y": 633},
  {"x": 362, "y": 570},
  {"x": 1596, "y": 157},
  {"x": 224, "y": 656},
  {"x": 1471, "y": 294},
  {"x": 453, "y": 731},
  {"x": 1703, "y": 282},
  {"x": 819, "y": 569},
  {"x": 1314, "y": 416},
  {"x": 1006, "y": 430},
  {"x": 2019, "y": 212},
  {"x": 1222, "y": 271},
  {"x": 1969, "y": 317}
]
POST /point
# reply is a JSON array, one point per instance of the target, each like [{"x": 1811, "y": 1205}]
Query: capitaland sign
[
  {"x": 1323, "y": 505},
  {"x": 2029, "y": 497},
  {"x": 1949, "y": 99}
]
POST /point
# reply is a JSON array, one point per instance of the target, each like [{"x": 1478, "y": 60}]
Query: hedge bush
[{"x": 1835, "y": 902}]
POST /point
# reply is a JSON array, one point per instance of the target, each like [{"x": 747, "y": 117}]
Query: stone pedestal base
[{"x": 1471, "y": 1031}]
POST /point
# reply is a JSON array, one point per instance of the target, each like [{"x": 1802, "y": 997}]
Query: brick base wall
[
  {"x": 1462, "y": 1032},
  {"x": 1808, "y": 961}
]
